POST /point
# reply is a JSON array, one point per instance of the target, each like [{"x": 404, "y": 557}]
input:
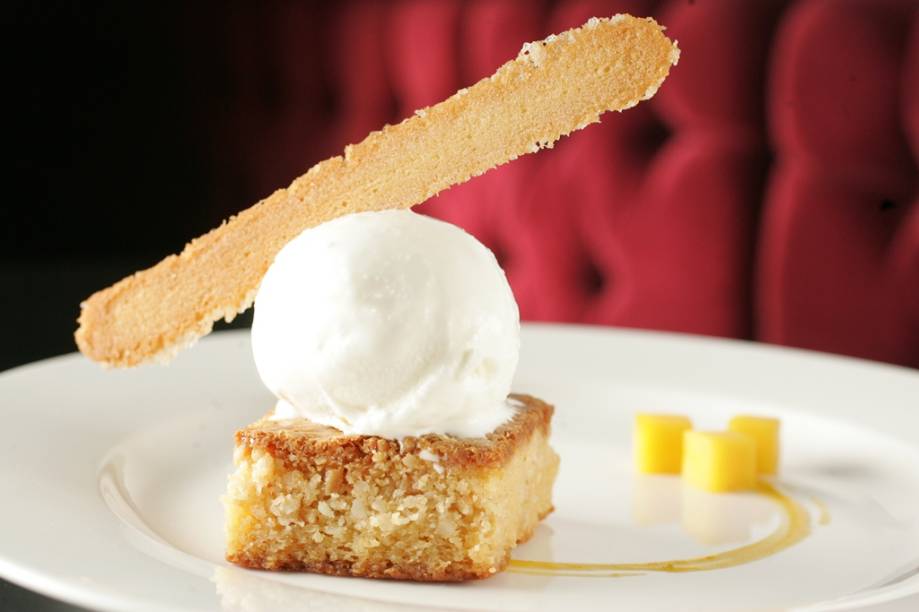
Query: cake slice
[{"x": 434, "y": 508}]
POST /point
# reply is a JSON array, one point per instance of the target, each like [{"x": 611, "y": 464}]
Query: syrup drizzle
[{"x": 794, "y": 526}]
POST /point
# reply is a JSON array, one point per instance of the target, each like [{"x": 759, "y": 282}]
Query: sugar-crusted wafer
[{"x": 552, "y": 88}]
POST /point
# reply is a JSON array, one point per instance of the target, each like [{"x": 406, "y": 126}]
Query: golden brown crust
[
  {"x": 294, "y": 441},
  {"x": 419, "y": 573},
  {"x": 552, "y": 88},
  {"x": 309, "y": 498}
]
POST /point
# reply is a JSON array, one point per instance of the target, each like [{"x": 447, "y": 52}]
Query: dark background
[
  {"x": 121, "y": 147},
  {"x": 105, "y": 167},
  {"x": 131, "y": 128},
  {"x": 117, "y": 153},
  {"x": 111, "y": 117},
  {"x": 108, "y": 166}
]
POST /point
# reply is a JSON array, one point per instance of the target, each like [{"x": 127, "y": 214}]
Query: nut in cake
[{"x": 435, "y": 508}]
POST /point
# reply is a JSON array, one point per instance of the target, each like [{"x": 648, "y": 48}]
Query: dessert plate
[{"x": 111, "y": 483}]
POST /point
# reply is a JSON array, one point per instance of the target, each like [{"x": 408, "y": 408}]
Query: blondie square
[{"x": 435, "y": 508}]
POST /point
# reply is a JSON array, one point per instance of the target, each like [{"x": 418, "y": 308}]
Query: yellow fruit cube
[
  {"x": 719, "y": 461},
  {"x": 765, "y": 433},
  {"x": 658, "y": 442}
]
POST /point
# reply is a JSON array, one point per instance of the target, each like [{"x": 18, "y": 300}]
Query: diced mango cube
[
  {"x": 658, "y": 440},
  {"x": 765, "y": 433},
  {"x": 719, "y": 461}
]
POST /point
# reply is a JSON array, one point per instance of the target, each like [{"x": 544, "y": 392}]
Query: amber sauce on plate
[{"x": 794, "y": 526}]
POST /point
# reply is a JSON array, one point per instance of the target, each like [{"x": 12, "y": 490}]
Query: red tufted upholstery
[
  {"x": 839, "y": 250},
  {"x": 769, "y": 190}
]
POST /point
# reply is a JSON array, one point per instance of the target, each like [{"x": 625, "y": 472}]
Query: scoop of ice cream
[{"x": 388, "y": 323}]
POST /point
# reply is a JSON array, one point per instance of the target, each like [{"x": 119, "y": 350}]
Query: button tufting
[
  {"x": 595, "y": 280},
  {"x": 651, "y": 135},
  {"x": 798, "y": 227}
]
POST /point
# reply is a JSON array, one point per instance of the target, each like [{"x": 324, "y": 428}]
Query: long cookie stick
[{"x": 552, "y": 88}]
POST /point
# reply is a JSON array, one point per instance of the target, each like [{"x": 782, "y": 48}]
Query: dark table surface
[{"x": 16, "y": 599}]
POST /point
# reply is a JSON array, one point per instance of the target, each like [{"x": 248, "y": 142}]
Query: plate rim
[{"x": 48, "y": 584}]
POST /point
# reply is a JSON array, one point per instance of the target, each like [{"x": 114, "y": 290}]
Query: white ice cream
[{"x": 388, "y": 323}]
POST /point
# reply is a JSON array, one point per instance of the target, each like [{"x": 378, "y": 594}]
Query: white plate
[{"x": 111, "y": 481}]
